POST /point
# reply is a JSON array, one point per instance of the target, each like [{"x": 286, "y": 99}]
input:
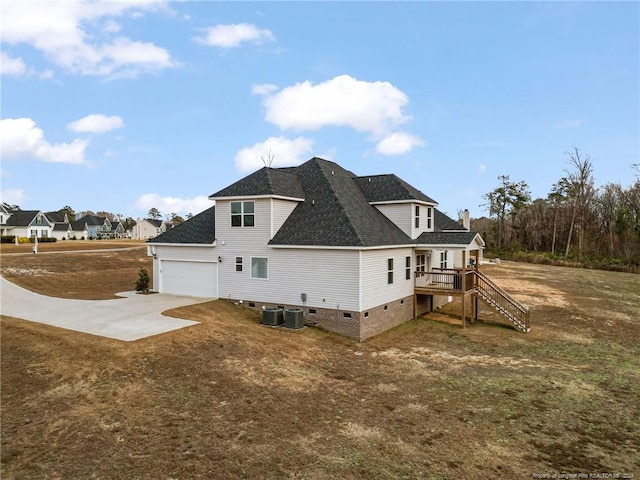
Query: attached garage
[
  {"x": 185, "y": 261},
  {"x": 193, "y": 279}
]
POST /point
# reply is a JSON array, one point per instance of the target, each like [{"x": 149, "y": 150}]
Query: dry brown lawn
[
  {"x": 59, "y": 271},
  {"x": 231, "y": 399}
]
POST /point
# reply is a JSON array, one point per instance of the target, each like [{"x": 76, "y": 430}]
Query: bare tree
[
  {"x": 581, "y": 193},
  {"x": 268, "y": 161}
]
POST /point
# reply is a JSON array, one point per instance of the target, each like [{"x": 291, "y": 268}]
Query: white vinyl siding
[
  {"x": 281, "y": 211},
  {"x": 330, "y": 278},
  {"x": 374, "y": 288},
  {"x": 401, "y": 214},
  {"x": 412, "y": 218}
]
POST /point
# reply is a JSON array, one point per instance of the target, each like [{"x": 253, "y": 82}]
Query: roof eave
[{"x": 240, "y": 197}]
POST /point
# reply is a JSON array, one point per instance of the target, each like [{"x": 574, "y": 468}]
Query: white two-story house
[{"x": 347, "y": 250}]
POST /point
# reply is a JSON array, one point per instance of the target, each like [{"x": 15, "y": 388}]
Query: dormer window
[
  {"x": 417, "y": 216},
  {"x": 242, "y": 214}
]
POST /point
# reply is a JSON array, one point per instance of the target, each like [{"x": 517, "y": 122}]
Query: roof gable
[{"x": 200, "y": 229}]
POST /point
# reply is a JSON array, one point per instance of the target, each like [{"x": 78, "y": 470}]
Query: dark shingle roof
[
  {"x": 22, "y": 218},
  {"x": 155, "y": 222},
  {"x": 266, "y": 181},
  {"x": 78, "y": 225},
  {"x": 388, "y": 188},
  {"x": 443, "y": 222},
  {"x": 200, "y": 229},
  {"x": 92, "y": 220},
  {"x": 446, "y": 238},
  {"x": 335, "y": 212},
  {"x": 56, "y": 217},
  {"x": 61, "y": 227}
]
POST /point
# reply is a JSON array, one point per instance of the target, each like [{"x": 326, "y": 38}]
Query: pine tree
[{"x": 142, "y": 285}]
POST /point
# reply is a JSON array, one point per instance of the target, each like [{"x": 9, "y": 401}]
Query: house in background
[
  {"x": 26, "y": 223},
  {"x": 101, "y": 227},
  {"x": 5, "y": 214},
  {"x": 79, "y": 230},
  {"x": 61, "y": 227},
  {"x": 359, "y": 255},
  {"x": 147, "y": 228}
]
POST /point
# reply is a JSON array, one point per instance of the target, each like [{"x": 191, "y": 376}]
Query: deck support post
[{"x": 463, "y": 285}]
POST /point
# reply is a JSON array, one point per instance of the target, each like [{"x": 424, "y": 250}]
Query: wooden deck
[{"x": 463, "y": 282}]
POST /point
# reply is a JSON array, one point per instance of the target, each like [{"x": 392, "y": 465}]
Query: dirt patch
[{"x": 229, "y": 398}]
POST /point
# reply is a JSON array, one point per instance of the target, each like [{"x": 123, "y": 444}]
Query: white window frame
[
  {"x": 429, "y": 218},
  {"x": 389, "y": 271},
  {"x": 239, "y": 264},
  {"x": 407, "y": 267},
  {"x": 243, "y": 214},
  {"x": 251, "y": 272},
  {"x": 416, "y": 216},
  {"x": 443, "y": 259}
]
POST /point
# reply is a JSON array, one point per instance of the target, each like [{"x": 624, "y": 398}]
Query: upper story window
[
  {"x": 407, "y": 268},
  {"x": 429, "y": 218},
  {"x": 390, "y": 270},
  {"x": 243, "y": 214},
  {"x": 417, "y": 216}
]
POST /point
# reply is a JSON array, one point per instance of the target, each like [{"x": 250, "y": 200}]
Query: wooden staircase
[{"x": 502, "y": 302}]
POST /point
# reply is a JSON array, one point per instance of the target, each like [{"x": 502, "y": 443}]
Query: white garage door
[{"x": 194, "y": 279}]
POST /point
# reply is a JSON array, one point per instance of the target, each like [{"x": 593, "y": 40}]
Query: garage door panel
[{"x": 195, "y": 279}]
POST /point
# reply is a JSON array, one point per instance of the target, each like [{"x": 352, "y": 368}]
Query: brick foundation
[{"x": 356, "y": 325}]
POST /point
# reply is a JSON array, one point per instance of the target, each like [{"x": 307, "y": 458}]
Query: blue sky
[{"x": 124, "y": 106}]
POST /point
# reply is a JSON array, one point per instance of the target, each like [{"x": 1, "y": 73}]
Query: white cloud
[
  {"x": 96, "y": 123},
  {"x": 285, "y": 153},
  {"x": 230, "y": 36},
  {"x": 168, "y": 205},
  {"x": 12, "y": 196},
  {"x": 374, "y": 107},
  {"x": 263, "y": 89},
  {"x": 11, "y": 66},
  {"x": 20, "y": 137},
  {"x": 398, "y": 143},
  {"x": 482, "y": 168},
  {"x": 112, "y": 27},
  {"x": 572, "y": 123},
  {"x": 68, "y": 33}
]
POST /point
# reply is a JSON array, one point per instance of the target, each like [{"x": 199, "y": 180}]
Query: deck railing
[
  {"x": 503, "y": 302},
  {"x": 447, "y": 280}
]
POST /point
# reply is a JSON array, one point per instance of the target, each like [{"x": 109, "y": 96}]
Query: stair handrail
[{"x": 522, "y": 311}]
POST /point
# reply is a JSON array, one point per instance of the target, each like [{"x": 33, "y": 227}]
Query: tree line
[{"x": 576, "y": 221}]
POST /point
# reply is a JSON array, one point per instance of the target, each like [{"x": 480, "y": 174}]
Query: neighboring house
[
  {"x": 357, "y": 254},
  {"x": 101, "y": 227},
  {"x": 61, "y": 227},
  {"x": 79, "y": 230},
  {"x": 27, "y": 223},
  {"x": 148, "y": 228},
  {"x": 5, "y": 213}
]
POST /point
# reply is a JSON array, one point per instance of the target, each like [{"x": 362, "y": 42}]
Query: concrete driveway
[{"x": 129, "y": 318}]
